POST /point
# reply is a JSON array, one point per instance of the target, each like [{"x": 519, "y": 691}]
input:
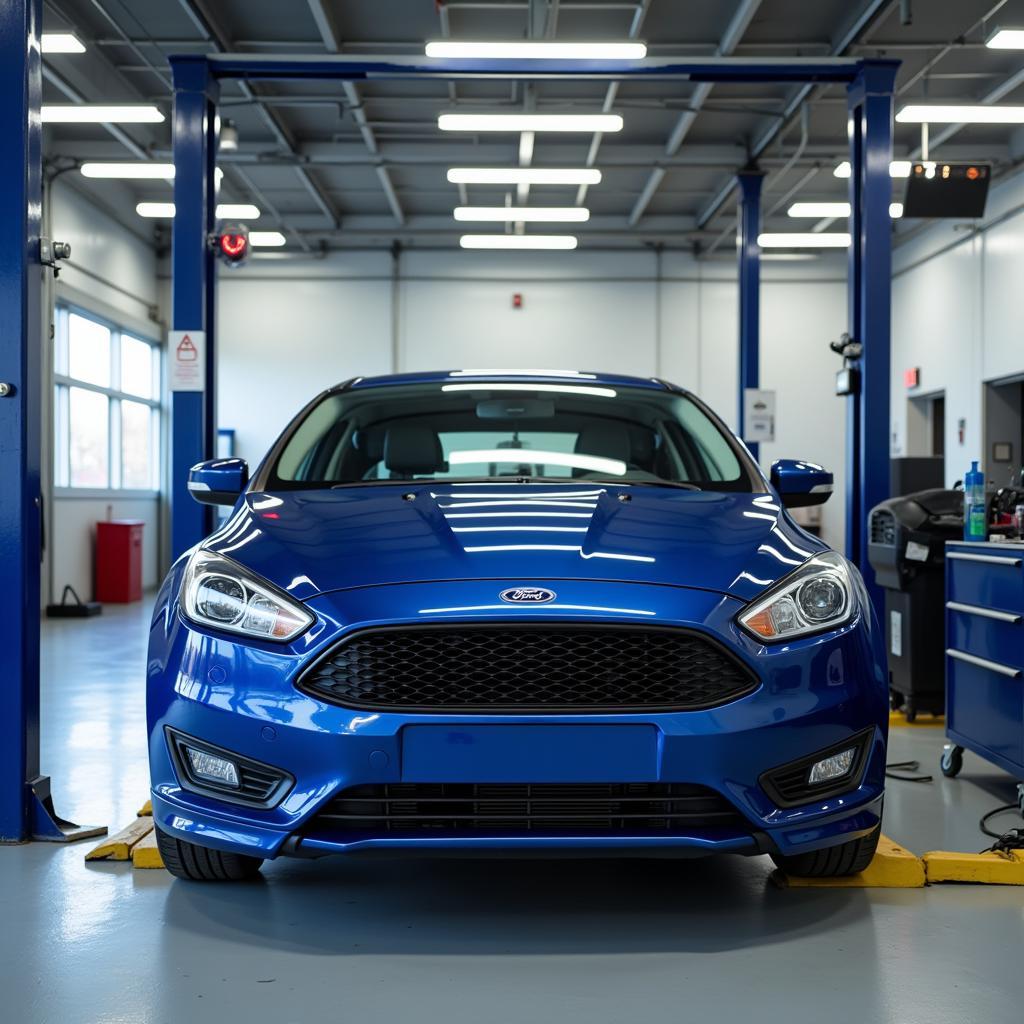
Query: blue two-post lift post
[{"x": 193, "y": 426}]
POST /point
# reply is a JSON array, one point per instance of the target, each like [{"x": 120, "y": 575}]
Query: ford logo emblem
[{"x": 527, "y": 595}]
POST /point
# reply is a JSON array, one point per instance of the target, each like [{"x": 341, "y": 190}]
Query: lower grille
[
  {"x": 584, "y": 809},
  {"x": 508, "y": 668}
]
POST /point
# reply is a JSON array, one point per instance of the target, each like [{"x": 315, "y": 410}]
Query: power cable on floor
[
  {"x": 892, "y": 770},
  {"x": 1012, "y": 839}
]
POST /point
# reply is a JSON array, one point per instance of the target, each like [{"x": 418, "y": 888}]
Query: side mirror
[
  {"x": 801, "y": 483},
  {"x": 219, "y": 481}
]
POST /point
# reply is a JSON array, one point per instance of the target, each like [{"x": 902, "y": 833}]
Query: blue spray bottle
[{"x": 974, "y": 505}]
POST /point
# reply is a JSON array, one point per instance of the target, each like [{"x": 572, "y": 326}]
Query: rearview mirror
[
  {"x": 801, "y": 483},
  {"x": 219, "y": 481}
]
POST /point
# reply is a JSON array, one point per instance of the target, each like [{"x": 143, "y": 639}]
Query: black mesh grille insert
[
  {"x": 515, "y": 808},
  {"x": 511, "y": 668}
]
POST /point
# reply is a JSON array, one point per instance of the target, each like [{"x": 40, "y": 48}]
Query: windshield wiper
[{"x": 678, "y": 484}]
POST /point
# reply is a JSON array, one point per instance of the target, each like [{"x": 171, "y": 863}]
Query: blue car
[{"x": 513, "y": 611}]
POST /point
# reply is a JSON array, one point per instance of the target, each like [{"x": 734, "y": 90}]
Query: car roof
[{"x": 581, "y": 377}]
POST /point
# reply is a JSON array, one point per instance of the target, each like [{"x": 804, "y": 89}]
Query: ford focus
[{"x": 513, "y": 611}]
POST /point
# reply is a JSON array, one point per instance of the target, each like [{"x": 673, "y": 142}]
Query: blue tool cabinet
[{"x": 985, "y": 654}]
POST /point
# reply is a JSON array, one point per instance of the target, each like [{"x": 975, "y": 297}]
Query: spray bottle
[{"x": 974, "y": 505}]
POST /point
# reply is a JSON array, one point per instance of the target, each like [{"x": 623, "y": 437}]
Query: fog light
[
  {"x": 214, "y": 769},
  {"x": 834, "y": 767}
]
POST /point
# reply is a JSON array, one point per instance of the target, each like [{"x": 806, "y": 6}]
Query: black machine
[{"x": 906, "y": 548}]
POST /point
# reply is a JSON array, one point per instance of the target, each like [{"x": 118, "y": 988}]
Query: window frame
[{"x": 63, "y": 382}]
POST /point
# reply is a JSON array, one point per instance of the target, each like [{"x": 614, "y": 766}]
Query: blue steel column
[
  {"x": 20, "y": 422},
  {"x": 870, "y": 100},
  {"x": 750, "y": 182},
  {"x": 193, "y": 419}
]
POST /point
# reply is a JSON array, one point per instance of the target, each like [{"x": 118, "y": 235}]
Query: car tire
[
  {"x": 834, "y": 861},
  {"x": 201, "y": 864}
]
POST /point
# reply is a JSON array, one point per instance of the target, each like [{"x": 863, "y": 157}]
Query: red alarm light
[{"x": 232, "y": 244}]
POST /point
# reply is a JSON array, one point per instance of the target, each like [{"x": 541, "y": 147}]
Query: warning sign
[{"x": 187, "y": 360}]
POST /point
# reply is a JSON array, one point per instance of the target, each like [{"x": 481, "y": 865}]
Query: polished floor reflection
[{"x": 498, "y": 940}]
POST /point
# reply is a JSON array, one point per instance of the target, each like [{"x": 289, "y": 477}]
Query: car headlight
[
  {"x": 817, "y": 596},
  {"x": 220, "y": 593}
]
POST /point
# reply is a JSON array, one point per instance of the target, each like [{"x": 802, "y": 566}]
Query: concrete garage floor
[{"x": 470, "y": 941}]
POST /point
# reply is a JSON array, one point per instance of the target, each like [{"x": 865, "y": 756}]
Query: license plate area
[{"x": 530, "y": 753}]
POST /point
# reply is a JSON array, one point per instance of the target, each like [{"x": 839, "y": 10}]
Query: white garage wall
[
  {"x": 957, "y": 312},
  {"x": 291, "y": 327},
  {"x": 112, "y": 273}
]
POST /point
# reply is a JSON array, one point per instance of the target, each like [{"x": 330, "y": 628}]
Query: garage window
[{"x": 106, "y": 405}]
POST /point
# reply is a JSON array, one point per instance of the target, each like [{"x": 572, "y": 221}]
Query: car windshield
[{"x": 504, "y": 430}]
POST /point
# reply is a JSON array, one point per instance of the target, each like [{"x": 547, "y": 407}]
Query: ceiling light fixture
[
  {"x": 522, "y": 214},
  {"x": 1006, "y": 39},
  {"x": 133, "y": 170},
  {"x": 897, "y": 169},
  {"x": 61, "y": 42},
  {"x": 960, "y": 113},
  {"x": 225, "y": 211},
  {"x": 518, "y": 241},
  {"x": 590, "y": 123},
  {"x": 523, "y": 176},
  {"x": 833, "y": 210},
  {"x": 804, "y": 240},
  {"x": 537, "y": 50},
  {"x": 227, "y": 140},
  {"x": 97, "y": 113},
  {"x": 266, "y": 239}
]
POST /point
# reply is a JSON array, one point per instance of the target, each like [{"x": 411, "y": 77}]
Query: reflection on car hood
[{"x": 311, "y": 542}]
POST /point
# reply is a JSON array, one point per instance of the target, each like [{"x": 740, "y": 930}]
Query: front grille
[
  {"x": 538, "y": 669},
  {"x": 883, "y": 528},
  {"x": 585, "y": 809},
  {"x": 788, "y": 786}
]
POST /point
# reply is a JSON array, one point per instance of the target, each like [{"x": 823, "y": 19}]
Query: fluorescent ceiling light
[
  {"x": 530, "y": 123},
  {"x": 97, "y": 113},
  {"x": 960, "y": 113},
  {"x": 804, "y": 240},
  {"x": 61, "y": 42},
  {"x": 1003, "y": 39},
  {"x": 897, "y": 169},
  {"x": 523, "y": 213},
  {"x": 833, "y": 210},
  {"x": 523, "y": 176},
  {"x": 538, "y": 50},
  {"x": 518, "y": 241},
  {"x": 225, "y": 211},
  {"x": 266, "y": 238},
  {"x": 786, "y": 257},
  {"x": 133, "y": 170},
  {"x": 819, "y": 210},
  {"x": 560, "y": 389},
  {"x": 596, "y": 463},
  {"x": 155, "y": 209}
]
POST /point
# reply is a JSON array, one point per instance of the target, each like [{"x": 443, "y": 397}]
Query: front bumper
[{"x": 240, "y": 696}]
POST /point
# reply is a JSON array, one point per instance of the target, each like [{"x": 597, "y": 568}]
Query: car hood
[{"x": 312, "y": 542}]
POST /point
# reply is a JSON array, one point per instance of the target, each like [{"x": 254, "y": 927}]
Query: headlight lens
[
  {"x": 219, "y": 592},
  {"x": 816, "y": 597}
]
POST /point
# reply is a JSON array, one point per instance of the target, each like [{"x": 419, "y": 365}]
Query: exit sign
[{"x": 912, "y": 377}]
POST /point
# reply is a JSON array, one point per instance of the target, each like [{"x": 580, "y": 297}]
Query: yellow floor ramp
[
  {"x": 986, "y": 868},
  {"x": 136, "y": 842},
  {"x": 892, "y": 867}
]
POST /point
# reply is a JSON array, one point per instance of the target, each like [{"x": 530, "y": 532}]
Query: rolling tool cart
[
  {"x": 985, "y": 654},
  {"x": 906, "y": 548}
]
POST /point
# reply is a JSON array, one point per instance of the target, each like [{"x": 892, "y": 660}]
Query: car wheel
[
  {"x": 834, "y": 861},
  {"x": 201, "y": 864}
]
